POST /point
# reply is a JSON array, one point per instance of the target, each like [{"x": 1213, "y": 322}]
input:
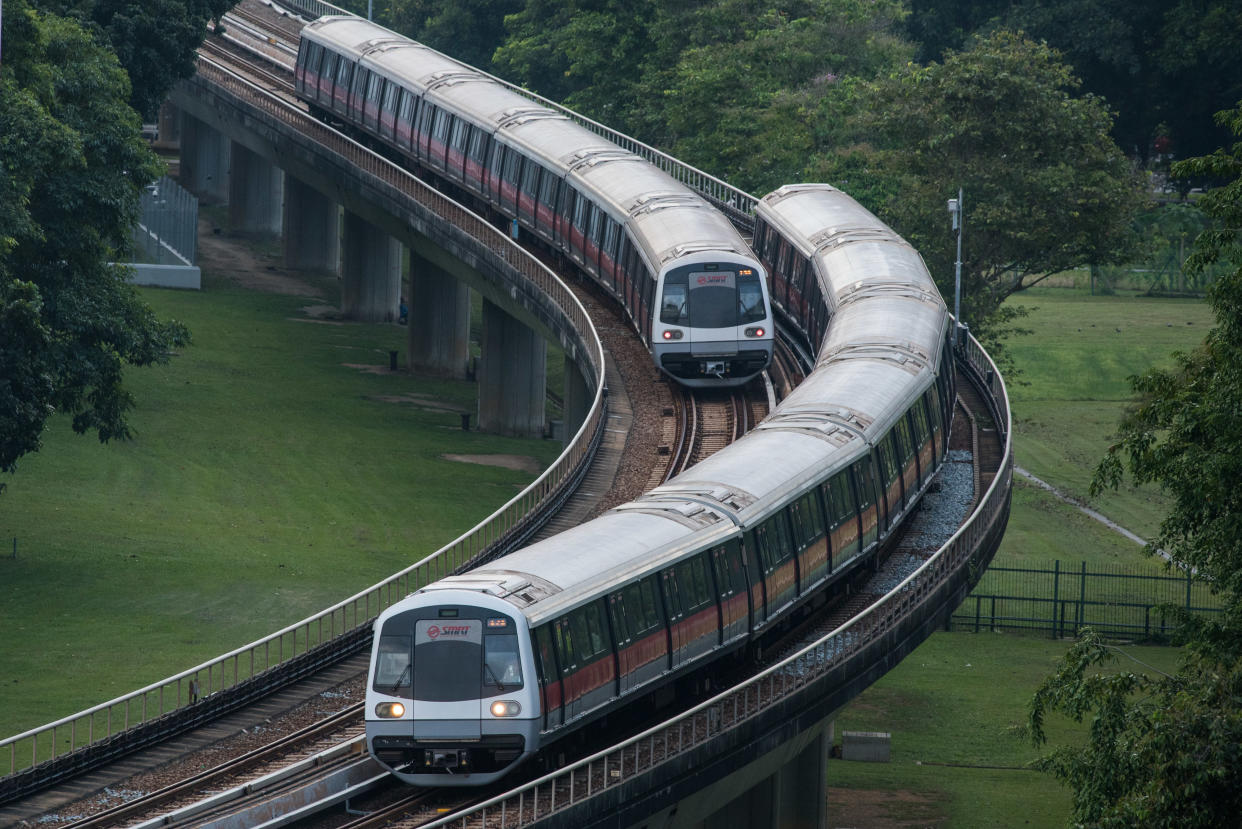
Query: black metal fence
[{"x": 1123, "y": 602}]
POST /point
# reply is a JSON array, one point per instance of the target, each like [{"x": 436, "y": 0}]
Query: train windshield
[
  {"x": 712, "y": 299},
  {"x": 448, "y": 660}
]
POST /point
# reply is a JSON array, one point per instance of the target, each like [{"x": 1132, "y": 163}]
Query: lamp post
[{"x": 955, "y": 211}]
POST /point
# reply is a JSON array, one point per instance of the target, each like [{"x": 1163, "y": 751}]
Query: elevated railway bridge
[{"x": 767, "y": 736}]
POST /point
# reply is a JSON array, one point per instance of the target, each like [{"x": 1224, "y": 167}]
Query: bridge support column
[
  {"x": 256, "y": 190},
  {"x": 439, "y": 321},
  {"x": 370, "y": 272},
  {"x": 512, "y": 376},
  {"x": 577, "y": 400},
  {"x": 312, "y": 228},
  {"x": 204, "y": 165},
  {"x": 168, "y": 127}
]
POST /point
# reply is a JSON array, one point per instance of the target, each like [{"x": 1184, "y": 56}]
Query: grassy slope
[
  {"x": 272, "y": 476},
  {"x": 940, "y": 711}
]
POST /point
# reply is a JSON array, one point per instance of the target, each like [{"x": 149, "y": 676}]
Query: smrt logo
[
  {"x": 435, "y": 631},
  {"x": 703, "y": 279}
]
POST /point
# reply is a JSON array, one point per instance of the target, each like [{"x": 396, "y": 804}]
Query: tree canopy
[
  {"x": 1046, "y": 188},
  {"x": 71, "y": 168},
  {"x": 1168, "y": 751}
]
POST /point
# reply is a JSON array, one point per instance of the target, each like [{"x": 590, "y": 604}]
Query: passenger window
[
  {"x": 459, "y": 134},
  {"x": 808, "y": 521},
  {"x": 530, "y": 179},
  {"x": 373, "y": 87},
  {"x": 616, "y": 613},
  {"x": 866, "y": 486},
  {"x": 547, "y": 190},
  {"x": 651, "y": 606},
  {"x": 595, "y": 628}
]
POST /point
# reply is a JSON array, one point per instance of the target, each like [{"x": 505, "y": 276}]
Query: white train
[
  {"x": 686, "y": 277},
  {"x": 475, "y": 673}
]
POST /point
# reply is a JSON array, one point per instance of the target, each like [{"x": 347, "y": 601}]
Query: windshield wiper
[
  {"x": 495, "y": 680},
  {"x": 401, "y": 679}
]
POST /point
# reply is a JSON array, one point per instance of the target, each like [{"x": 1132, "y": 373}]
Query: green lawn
[
  {"x": 278, "y": 468},
  {"x": 1076, "y": 365},
  {"x": 951, "y": 707}
]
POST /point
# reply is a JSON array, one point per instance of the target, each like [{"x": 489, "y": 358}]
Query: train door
[
  {"x": 550, "y": 695},
  {"x": 442, "y": 691},
  {"x": 731, "y": 587},
  {"x": 675, "y": 615}
]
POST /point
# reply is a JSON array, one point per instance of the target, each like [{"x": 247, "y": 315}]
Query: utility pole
[{"x": 955, "y": 211}]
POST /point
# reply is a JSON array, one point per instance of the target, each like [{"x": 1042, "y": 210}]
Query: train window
[
  {"x": 459, "y": 134},
  {"x": 478, "y": 144},
  {"x": 547, "y": 661},
  {"x": 580, "y": 208},
  {"x": 610, "y": 238},
  {"x": 595, "y": 628},
  {"x": 774, "y": 543},
  {"x": 580, "y": 636},
  {"x": 390, "y": 98},
  {"x": 808, "y": 520},
  {"x": 440, "y": 126},
  {"x": 652, "y": 617},
  {"x": 841, "y": 497},
  {"x": 596, "y": 224},
  {"x": 512, "y": 160},
  {"x": 782, "y": 259},
  {"x": 547, "y": 189},
  {"x": 406, "y": 112},
  {"x": 750, "y": 299},
  {"x": 329, "y": 65},
  {"x": 373, "y": 88},
  {"x": 933, "y": 401},
  {"x": 502, "y": 664},
  {"x": 440, "y": 649},
  {"x": 344, "y": 72},
  {"x": 674, "y": 305},
  {"x": 530, "y": 179},
  {"x": 616, "y": 615},
  {"x": 693, "y": 585},
  {"x": 393, "y": 670},
  {"x": 564, "y": 639},
  {"x": 888, "y": 459},
  {"x": 921, "y": 432},
  {"x": 905, "y": 446}
]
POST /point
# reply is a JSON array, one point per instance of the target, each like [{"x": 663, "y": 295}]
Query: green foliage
[
  {"x": 71, "y": 166},
  {"x": 1046, "y": 189},
  {"x": 154, "y": 40},
  {"x": 1168, "y": 752},
  {"x": 1164, "y": 67}
]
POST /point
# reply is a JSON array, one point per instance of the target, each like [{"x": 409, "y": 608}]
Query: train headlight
[
  {"x": 390, "y": 710},
  {"x": 757, "y": 331},
  {"x": 505, "y": 708},
  {"x": 673, "y": 334}
]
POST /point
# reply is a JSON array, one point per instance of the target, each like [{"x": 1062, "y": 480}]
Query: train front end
[
  {"x": 713, "y": 320},
  {"x": 452, "y": 698}
]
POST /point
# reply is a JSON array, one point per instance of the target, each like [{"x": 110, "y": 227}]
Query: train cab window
[
  {"x": 502, "y": 664},
  {"x": 808, "y": 520},
  {"x": 394, "y": 673},
  {"x": 674, "y": 305},
  {"x": 749, "y": 297}
]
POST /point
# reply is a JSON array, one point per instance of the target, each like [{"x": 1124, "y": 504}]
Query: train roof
[{"x": 618, "y": 547}]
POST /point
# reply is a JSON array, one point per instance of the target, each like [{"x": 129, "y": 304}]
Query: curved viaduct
[{"x": 768, "y": 737}]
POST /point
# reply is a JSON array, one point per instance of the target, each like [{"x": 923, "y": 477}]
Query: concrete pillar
[
  {"x": 169, "y": 126},
  {"x": 312, "y": 228},
  {"x": 370, "y": 272},
  {"x": 439, "y": 321},
  {"x": 578, "y": 397},
  {"x": 512, "y": 376},
  {"x": 801, "y": 788},
  {"x": 204, "y": 164},
  {"x": 256, "y": 191}
]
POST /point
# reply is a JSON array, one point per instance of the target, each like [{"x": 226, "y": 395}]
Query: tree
[
  {"x": 71, "y": 168},
  {"x": 1168, "y": 751},
  {"x": 1046, "y": 188},
  {"x": 155, "y": 40}
]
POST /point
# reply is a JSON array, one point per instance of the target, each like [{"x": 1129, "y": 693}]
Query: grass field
[
  {"x": 278, "y": 468},
  {"x": 950, "y": 707}
]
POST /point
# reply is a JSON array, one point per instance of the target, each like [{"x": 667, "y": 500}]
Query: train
[
  {"x": 476, "y": 673},
  {"x": 679, "y": 268}
]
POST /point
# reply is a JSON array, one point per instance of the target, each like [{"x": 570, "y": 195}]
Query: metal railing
[
  {"x": 100, "y": 723},
  {"x": 645, "y": 753}
]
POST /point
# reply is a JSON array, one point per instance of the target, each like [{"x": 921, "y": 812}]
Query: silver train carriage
[
  {"x": 689, "y": 282},
  {"x": 656, "y": 591}
]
